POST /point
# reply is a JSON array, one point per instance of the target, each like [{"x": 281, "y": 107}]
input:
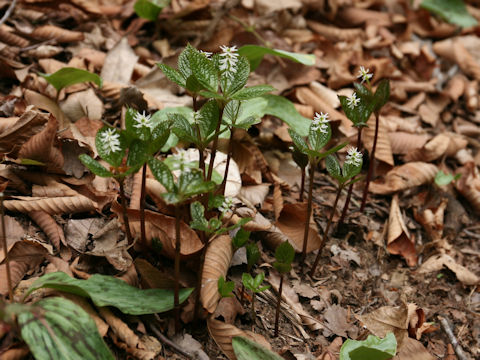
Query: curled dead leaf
[
  {"x": 258, "y": 222},
  {"x": 8, "y": 37},
  {"x": 49, "y": 32},
  {"x": 403, "y": 142},
  {"x": 49, "y": 226},
  {"x": 469, "y": 184},
  {"x": 56, "y": 205},
  {"x": 335, "y": 33},
  {"x": 437, "y": 262}
]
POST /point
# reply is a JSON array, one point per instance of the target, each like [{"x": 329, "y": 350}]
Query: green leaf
[
  {"x": 94, "y": 166},
  {"x": 162, "y": 173},
  {"x": 359, "y": 114},
  {"x": 258, "y": 280},
  {"x": 209, "y": 116},
  {"x": 114, "y": 158},
  {"x": 246, "y": 349},
  {"x": 69, "y": 76},
  {"x": 255, "y": 53},
  {"x": 203, "y": 69},
  {"x": 211, "y": 95},
  {"x": 253, "y": 254},
  {"x": 197, "y": 211},
  {"x": 184, "y": 62},
  {"x": 252, "y": 92},
  {"x": 283, "y": 109},
  {"x": 137, "y": 155},
  {"x": 453, "y": 11},
  {"x": 382, "y": 94},
  {"x": 58, "y": 329},
  {"x": 319, "y": 139},
  {"x": 442, "y": 179},
  {"x": 350, "y": 170},
  {"x": 193, "y": 85},
  {"x": 31, "y": 162},
  {"x": 373, "y": 348},
  {"x": 232, "y": 84},
  {"x": 150, "y": 9},
  {"x": 142, "y": 133},
  {"x": 172, "y": 74},
  {"x": 183, "y": 129},
  {"x": 247, "y": 281},
  {"x": 333, "y": 167},
  {"x": 160, "y": 135},
  {"x": 163, "y": 116},
  {"x": 285, "y": 253},
  {"x": 225, "y": 288},
  {"x": 240, "y": 238},
  {"x": 109, "y": 291},
  {"x": 298, "y": 141},
  {"x": 192, "y": 183},
  {"x": 282, "y": 267}
]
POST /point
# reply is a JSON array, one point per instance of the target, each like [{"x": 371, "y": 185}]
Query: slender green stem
[
  {"x": 215, "y": 145},
  {"x": 309, "y": 210},
  {"x": 302, "y": 186},
  {"x": 5, "y": 250},
  {"x": 176, "y": 299},
  {"x": 124, "y": 211},
  {"x": 372, "y": 162},
  {"x": 325, "y": 234},
  {"x": 277, "y": 310},
  {"x": 142, "y": 205}
]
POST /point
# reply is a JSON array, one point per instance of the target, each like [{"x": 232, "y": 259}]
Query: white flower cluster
[
  {"x": 226, "y": 205},
  {"x": 142, "y": 120},
  {"x": 181, "y": 159},
  {"x": 228, "y": 60},
  {"x": 354, "y": 157},
  {"x": 364, "y": 74},
  {"x": 320, "y": 122},
  {"x": 353, "y": 101},
  {"x": 110, "y": 140}
]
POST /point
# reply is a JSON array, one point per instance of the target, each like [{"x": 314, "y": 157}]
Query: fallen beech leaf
[
  {"x": 56, "y": 205},
  {"x": 336, "y": 321},
  {"x": 440, "y": 145},
  {"x": 228, "y": 308},
  {"x": 292, "y": 223},
  {"x": 399, "y": 241},
  {"x": 432, "y": 219},
  {"x": 412, "y": 349},
  {"x": 403, "y": 142},
  {"x": 469, "y": 184},
  {"x": 119, "y": 63},
  {"x": 83, "y": 104},
  {"x": 437, "y": 262},
  {"x": 217, "y": 261},
  {"x": 45, "y": 103},
  {"x": 48, "y": 32},
  {"x": 277, "y": 200},
  {"x": 151, "y": 277},
  {"x": 258, "y": 222},
  {"x": 404, "y": 177},
  {"x": 254, "y": 195},
  {"x": 49, "y": 226},
  {"x": 190, "y": 345}
]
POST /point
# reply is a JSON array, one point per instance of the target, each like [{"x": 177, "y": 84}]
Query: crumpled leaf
[
  {"x": 437, "y": 262},
  {"x": 56, "y": 205}
]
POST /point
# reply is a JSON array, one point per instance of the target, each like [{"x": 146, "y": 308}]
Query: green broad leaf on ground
[
  {"x": 285, "y": 253},
  {"x": 240, "y": 238},
  {"x": 453, "y": 11},
  {"x": 373, "y": 348},
  {"x": 94, "y": 166},
  {"x": 109, "y": 291},
  {"x": 333, "y": 167},
  {"x": 58, "y": 329},
  {"x": 252, "y": 92},
  {"x": 150, "y": 9},
  {"x": 69, "y": 76},
  {"x": 442, "y": 179},
  {"x": 255, "y": 54},
  {"x": 225, "y": 288},
  {"x": 162, "y": 173},
  {"x": 246, "y": 349},
  {"x": 173, "y": 75},
  {"x": 283, "y": 109}
]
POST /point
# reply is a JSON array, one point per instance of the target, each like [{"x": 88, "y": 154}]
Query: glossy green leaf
[
  {"x": 160, "y": 135},
  {"x": 373, "y": 348},
  {"x": 252, "y": 92},
  {"x": 58, "y": 329},
  {"x": 285, "y": 253},
  {"x": 203, "y": 69},
  {"x": 283, "y": 109},
  {"x": 211, "y": 95},
  {"x": 172, "y": 74},
  {"x": 382, "y": 94},
  {"x": 137, "y": 155},
  {"x": 298, "y": 141},
  {"x": 225, "y": 288},
  {"x": 453, "y": 11},
  {"x": 351, "y": 170},
  {"x": 255, "y": 54},
  {"x": 193, "y": 85},
  {"x": 109, "y": 291},
  {"x": 115, "y": 157},
  {"x": 94, "y": 166},
  {"x": 359, "y": 114},
  {"x": 150, "y": 9},
  {"x": 319, "y": 139},
  {"x": 183, "y": 129},
  {"x": 197, "y": 212},
  {"x": 240, "y": 238},
  {"x": 164, "y": 116},
  {"x": 69, "y": 76},
  {"x": 209, "y": 116},
  {"x": 192, "y": 183},
  {"x": 162, "y": 173},
  {"x": 333, "y": 167},
  {"x": 184, "y": 62},
  {"x": 246, "y": 349},
  {"x": 253, "y": 254},
  {"x": 233, "y": 83}
]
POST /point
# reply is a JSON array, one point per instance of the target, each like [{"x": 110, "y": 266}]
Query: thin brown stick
[
  {"x": 176, "y": 301},
  {"x": 8, "y": 12},
  {"x": 142, "y": 206},
  {"x": 453, "y": 340},
  {"x": 166, "y": 341},
  {"x": 372, "y": 162},
  {"x": 124, "y": 212},
  {"x": 302, "y": 186},
  {"x": 5, "y": 249},
  {"x": 277, "y": 310},
  {"x": 309, "y": 211}
]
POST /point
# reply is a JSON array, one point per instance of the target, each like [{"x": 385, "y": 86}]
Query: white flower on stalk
[
  {"x": 228, "y": 60},
  {"x": 364, "y": 74},
  {"x": 110, "y": 140},
  {"x": 320, "y": 122},
  {"x": 353, "y": 101},
  {"x": 180, "y": 160},
  {"x": 226, "y": 205},
  {"x": 354, "y": 157},
  {"x": 142, "y": 120},
  {"x": 207, "y": 54}
]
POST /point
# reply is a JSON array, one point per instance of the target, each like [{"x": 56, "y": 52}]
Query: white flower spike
[
  {"x": 110, "y": 140},
  {"x": 320, "y": 122},
  {"x": 353, "y": 101},
  {"x": 207, "y": 54},
  {"x": 228, "y": 60},
  {"x": 354, "y": 157},
  {"x": 364, "y": 74},
  {"x": 226, "y": 205},
  {"x": 142, "y": 120}
]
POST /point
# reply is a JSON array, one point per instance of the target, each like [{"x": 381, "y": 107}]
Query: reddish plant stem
[
  {"x": 5, "y": 250},
  {"x": 124, "y": 212},
  {"x": 277, "y": 310},
  {"x": 227, "y": 165},
  {"x": 309, "y": 211},
  {"x": 302, "y": 186},
  {"x": 350, "y": 188},
  {"x": 176, "y": 299},
  {"x": 325, "y": 234},
  {"x": 142, "y": 205},
  {"x": 241, "y": 294},
  {"x": 215, "y": 145},
  {"x": 371, "y": 164}
]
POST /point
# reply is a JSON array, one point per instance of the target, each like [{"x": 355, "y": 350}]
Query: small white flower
[
  {"x": 181, "y": 160},
  {"x": 226, "y": 205},
  {"x": 320, "y": 122},
  {"x": 364, "y": 74},
  {"x": 354, "y": 157},
  {"x": 206, "y": 54},
  {"x": 228, "y": 60},
  {"x": 142, "y": 120},
  {"x": 110, "y": 140},
  {"x": 353, "y": 101}
]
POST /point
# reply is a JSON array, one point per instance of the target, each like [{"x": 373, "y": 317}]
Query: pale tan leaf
[
  {"x": 437, "y": 262},
  {"x": 17, "y": 271},
  {"x": 432, "y": 219},
  {"x": 151, "y": 277},
  {"x": 130, "y": 276},
  {"x": 412, "y": 349},
  {"x": 57, "y": 205},
  {"x": 83, "y": 104},
  {"x": 51, "y": 32},
  {"x": 258, "y": 222},
  {"x": 45, "y": 103},
  {"x": 119, "y": 63},
  {"x": 217, "y": 261},
  {"x": 399, "y": 241},
  {"x": 49, "y": 226},
  {"x": 405, "y": 177},
  {"x": 403, "y": 142},
  {"x": 469, "y": 184},
  {"x": 383, "y": 152},
  {"x": 136, "y": 191},
  {"x": 223, "y": 334},
  {"x": 335, "y": 33},
  {"x": 254, "y": 194},
  {"x": 52, "y": 189},
  {"x": 277, "y": 200},
  {"x": 8, "y": 37}
]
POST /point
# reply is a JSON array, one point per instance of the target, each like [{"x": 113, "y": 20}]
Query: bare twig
[
  {"x": 8, "y": 12},
  {"x": 453, "y": 340},
  {"x": 165, "y": 340}
]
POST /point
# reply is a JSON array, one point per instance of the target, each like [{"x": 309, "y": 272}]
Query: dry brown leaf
[
  {"x": 403, "y": 142},
  {"x": 292, "y": 223},
  {"x": 119, "y": 63},
  {"x": 45, "y": 103},
  {"x": 254, "y": 195},
  {"x": 405, "y": 177},
  {"x": 456, "y": 86},
  {"x": 56, "y": 205},
  {"x": 258, "y": 222},
  {"x": 437, "y": 262},
  {"x": 8, "y": 37},
  {"x": 51, "y": 32},
  {"x": 469, "y": 184},
  {"x": 432, "y": 150},
  {"x": 335, "y": 33},
  {"x": 83, "y": 104},
  {"x": 17, "y": 271},
  {"x": 277, "y": 200},
  {"x": 130, "y": 276},
  {"x": 336, "y": 322},
  {"x": 228, "y": 308},
  {"x": 432, "y": 219},
  {"x": 383, "y": 151},
  {"x": 223, "y": 334},
  {"x": 412, "y": 349},
  {"x": 136, "y": 191},
  {"x": 15, "y": 353},
  {"x": 151, "y": 277},
  {"x": 217, "y": 261},
  {"x": 49, "y": 226},
  {"x": 399, "y": 241}
]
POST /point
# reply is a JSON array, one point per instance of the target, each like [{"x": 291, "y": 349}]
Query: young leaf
[
  {"x": 184, "y": 61},
  {"x": 69, "y": 76},
  {"x": 318, "y": 139},
  {"x": 193, "y": 85},
  {"x": 373, "y": 348},
  {"x": 111, "y": 145},
  {"x": 183, "y": 129},
  {"x": 333, "y": 167},
  {"x": 173, "y": 74},
  {"x": 285, "y": 253},
  {"x": 192, "y": 183},
  {"x": 208, "y": 118},
  {"x": 150, "y": 9},
  {"x": 57, "y": 328},
  {"x": 240, "y": 238},
  {"x": 225, "y": 288},
  {"x": 109, "y": 291},
  {"x": 137, "y": 155},
  {"x": 203, "y": 69},
  {"x": 232, "y": 84},
  {"x": 255, "y": 53},
  {"x": 247, "y": 281},
  {"x": 351, "y": 170},
  {"x": 197, "y": 212},
  {"x": 298, "y": 141},
  {"x": 453, "y": 11},
  {"x": 358, "y": 114},
  {"x": 442, "y": 179},
  {"x": 160, "y": 135},
  {"x": 252, "y": 92},
  {"x": 283, "y": 108},
  {"x": 162, "y": 173},
  {"x": 253, "y": 254},
  {"x": 94, "y": 166},
  {"x": 382, "y": 94}
]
